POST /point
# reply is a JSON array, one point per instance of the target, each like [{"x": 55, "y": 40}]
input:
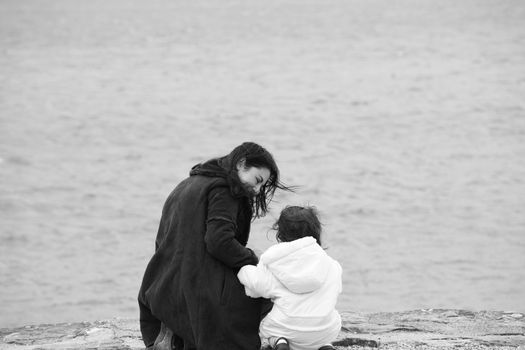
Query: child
[{"x": 302, "y": 281}]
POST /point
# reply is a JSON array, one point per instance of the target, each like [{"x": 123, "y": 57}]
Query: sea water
[{"x": 402, "y": 122}]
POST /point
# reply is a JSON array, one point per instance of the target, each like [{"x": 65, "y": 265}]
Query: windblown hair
[
  {"x": 258, "y": 156},
  {"x": 296, "y": 222}
]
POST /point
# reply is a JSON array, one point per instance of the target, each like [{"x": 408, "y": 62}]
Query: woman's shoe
[
  {"x": 164, "y": 339},
  {"x": 283, "y": 345}
]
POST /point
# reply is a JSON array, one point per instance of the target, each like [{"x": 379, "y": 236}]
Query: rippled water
[{"x": 403, "y": 122}]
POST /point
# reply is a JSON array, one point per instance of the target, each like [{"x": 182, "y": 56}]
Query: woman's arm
[{"x": 221, "y": 226}]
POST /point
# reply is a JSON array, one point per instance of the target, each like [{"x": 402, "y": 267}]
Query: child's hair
[{"x": 297, "y": 222}]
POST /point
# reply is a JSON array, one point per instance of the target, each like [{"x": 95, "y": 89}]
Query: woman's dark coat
[{"x": 190, "y": 284}]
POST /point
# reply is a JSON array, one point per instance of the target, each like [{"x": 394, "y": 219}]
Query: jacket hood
[
  {"x": 211, "y": 168},
  {"x": 220, "y": 167},
  {"x": 301, "y": 265}
]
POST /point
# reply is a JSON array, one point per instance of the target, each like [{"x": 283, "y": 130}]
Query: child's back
[{"x": 304, "y": 283}]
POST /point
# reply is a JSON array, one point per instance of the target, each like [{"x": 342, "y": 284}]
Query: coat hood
[
  {"x": 300, "y": 265},
  {"x": 212, "y": 168},
  {"x": 221, "y": 167}
]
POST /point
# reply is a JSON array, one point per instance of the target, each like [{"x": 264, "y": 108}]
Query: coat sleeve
[
  {"x": 258, "y": 281},
  {"x": 221, "y": 226}
]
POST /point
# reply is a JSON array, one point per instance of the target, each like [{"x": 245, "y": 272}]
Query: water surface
[{"x": 403, "y": 122}]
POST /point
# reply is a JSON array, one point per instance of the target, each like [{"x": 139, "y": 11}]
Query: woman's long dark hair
[{"x": 257, "y": 156}]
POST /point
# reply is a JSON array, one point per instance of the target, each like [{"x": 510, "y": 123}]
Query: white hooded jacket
[{"x": 304, "y": 283}]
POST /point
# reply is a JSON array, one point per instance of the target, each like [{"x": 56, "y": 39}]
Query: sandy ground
[{"x": 403, "y": 121}]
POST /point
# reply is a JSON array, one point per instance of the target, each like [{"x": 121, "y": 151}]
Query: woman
[{"x": 190, "y": 287}]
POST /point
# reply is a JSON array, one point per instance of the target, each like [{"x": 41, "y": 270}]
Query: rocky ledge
[{"x": 419, "y": 329}]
